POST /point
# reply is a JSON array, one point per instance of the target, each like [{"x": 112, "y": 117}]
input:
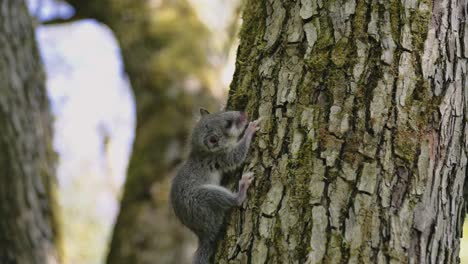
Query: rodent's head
[{"x": 218, "y": 131}]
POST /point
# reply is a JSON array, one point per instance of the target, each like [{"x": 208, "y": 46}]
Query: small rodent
[{"x": 219, "y": 143}]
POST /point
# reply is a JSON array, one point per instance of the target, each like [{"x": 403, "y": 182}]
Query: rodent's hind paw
[{"x": 244, "y": 184}]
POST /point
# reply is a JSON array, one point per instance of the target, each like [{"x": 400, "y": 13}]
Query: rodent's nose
[{"x": 243, "y": 116}]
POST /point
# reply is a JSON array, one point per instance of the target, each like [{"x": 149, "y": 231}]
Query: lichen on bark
[{"x": 362, "y": 150}]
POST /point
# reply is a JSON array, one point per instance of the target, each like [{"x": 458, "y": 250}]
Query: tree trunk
[
  {"x": 164, "y": 48},
  {"x": 28, "y": 224},
  {"x": 362, "y": 154}
]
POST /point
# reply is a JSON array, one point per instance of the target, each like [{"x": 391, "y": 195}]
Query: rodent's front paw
[{"x": 254, "y": 126}]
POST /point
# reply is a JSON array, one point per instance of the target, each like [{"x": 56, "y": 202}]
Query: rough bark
[
  {"x": 163, "y": 46},
  {"x": 28, "y": 226},
  {"x": 362, "y": 154}
]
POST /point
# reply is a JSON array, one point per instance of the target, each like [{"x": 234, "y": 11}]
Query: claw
[
  {"x": 254, "y": 126},
  {"x": 248, "y": 175},
  {"x": 257, "y": 124},
  {"x": 247, "y": 178}
]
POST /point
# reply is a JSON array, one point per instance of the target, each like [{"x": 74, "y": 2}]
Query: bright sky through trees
[{"x": 94, "y": 122}]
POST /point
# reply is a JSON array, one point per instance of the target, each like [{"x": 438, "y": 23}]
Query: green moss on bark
[
  {"x": 360, "y": 20},
  {"x": 341, "y": 53},
  {"x": 319, "y": 58},
  {"x": 419, "y": 28},
  {"x": 395, "y": 21}
]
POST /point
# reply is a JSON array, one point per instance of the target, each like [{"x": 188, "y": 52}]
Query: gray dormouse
[{"x": 219, "y": 143}]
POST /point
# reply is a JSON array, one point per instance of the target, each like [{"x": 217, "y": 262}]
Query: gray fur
[{"x": 198, "y": 199}]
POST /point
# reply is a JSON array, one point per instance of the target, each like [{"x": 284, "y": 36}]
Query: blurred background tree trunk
[
  {"x": 362, "y": 154},
  {"x": 28, "y": 224},
  {"x": 164, "y": 50}
]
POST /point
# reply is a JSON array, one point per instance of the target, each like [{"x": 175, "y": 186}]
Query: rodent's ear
[{"x": 203, "y": 111}]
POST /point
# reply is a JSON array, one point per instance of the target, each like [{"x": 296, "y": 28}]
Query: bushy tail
[{"x": 204, "y": 253}]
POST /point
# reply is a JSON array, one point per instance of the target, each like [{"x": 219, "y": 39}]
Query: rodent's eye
[
  {"x": 213, "y": 139},
  {"x": 228, "y": 123}
]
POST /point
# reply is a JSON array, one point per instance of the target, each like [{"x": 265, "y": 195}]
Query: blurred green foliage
[{"x": 464, "y": 243}]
